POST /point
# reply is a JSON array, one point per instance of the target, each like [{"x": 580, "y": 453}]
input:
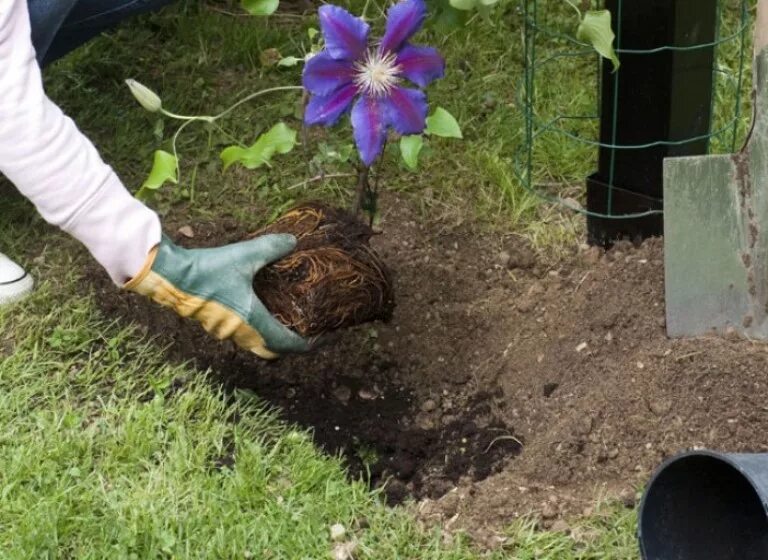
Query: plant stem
[
  {"x": 204, "y": 118},
  {"x": 253, "y": 96},
  {"x": 175, "y": 151},
  {"x": 304, "y": 128},
  {"x": 210, "y": 119},
  {"x": 227, "y": 134},
  {"x": 362, "y": 187},
  {"x": 378, "y": 169},
  {"x": 574, "y": 6},
  {"x": 365, "y": 9}
]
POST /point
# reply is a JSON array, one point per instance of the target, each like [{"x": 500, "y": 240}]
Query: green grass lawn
[{"x": 109, "y": 452}]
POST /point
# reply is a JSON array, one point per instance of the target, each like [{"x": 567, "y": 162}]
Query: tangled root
[{"x": 334, "y": 279}]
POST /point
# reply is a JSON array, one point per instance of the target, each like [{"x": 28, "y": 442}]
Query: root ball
[{"x": 334, "y": 279}]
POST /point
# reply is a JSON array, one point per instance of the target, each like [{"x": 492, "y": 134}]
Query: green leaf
[
  {"x": 449, "y": 19},
  {"x": 464, "y": 5},
  {"x": 410, "y": 146},
  {"x": 164, "y": 169},
  {"x": 260, "y": 7},
  {"x": 289, "y": 61},
  {"x": 279, "y": 139},
  {"x": 595, "y": 28},
  {"x": 312, "y": 32},
  {"x": 442, "y": 123},
  {"x": 485, "y": 12},
  {"x": 346, "y": 151},
  {"x": 488, "y": 3}
]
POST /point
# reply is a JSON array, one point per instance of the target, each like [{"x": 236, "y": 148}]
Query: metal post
[{"x": 655, "y": 97}]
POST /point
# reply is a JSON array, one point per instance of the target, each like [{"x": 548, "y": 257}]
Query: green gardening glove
[{"x": 215, "y": 287}]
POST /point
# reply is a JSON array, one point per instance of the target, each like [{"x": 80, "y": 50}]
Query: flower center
[{"x": 377, "y": 73}]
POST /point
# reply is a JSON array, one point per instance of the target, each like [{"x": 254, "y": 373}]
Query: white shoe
[{"x": 15, "y": 283}]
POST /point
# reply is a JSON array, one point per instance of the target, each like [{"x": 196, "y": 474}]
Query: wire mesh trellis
[{"x": 563, "y": 124}]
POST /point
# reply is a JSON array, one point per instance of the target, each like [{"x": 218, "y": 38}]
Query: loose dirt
[{"x": 506, "y": 383}]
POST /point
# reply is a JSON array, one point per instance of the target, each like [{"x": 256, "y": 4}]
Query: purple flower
[{"x": 350, "y": 71}]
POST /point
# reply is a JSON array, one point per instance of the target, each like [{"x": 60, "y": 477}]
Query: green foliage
[
  {"x": 465, "y": 5},
  {"x": 482, "y": 7},
  {"x": 331, "y": 154},
  {"x": 439, "y": 123},
  {"x": 595, "y": 28},
  {"x": 280, "y": 139},
  {"x": 446, "y": 18},
  {"x": 164, "y": 169},
  {"x": 289, "y": 61},
  {"x": 260, "y": 7},
  {"x": 410, "y": 147},
  {"x": 442, "y": 123}
]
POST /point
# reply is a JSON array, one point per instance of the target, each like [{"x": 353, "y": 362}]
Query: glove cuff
[{"x": 137, "y": 284}]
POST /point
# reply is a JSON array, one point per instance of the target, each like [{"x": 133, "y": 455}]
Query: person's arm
[{"x": 54, "y": 165}]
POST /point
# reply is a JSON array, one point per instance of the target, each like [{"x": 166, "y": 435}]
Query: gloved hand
[{"x": 215, "y": 287}]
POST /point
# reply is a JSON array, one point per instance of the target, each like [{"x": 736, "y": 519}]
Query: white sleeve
[{"x": 56, "y": 167}]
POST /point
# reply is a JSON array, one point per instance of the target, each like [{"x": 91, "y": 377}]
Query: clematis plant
[
  {"x": 380, "y": 83},
  {"x": 352, "y": 72}
]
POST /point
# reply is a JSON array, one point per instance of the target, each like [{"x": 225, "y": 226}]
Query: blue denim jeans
[{"x": 60, "y": 26}]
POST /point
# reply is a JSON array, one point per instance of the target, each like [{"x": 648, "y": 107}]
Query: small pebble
[
  {"x": 428, "y": 405},
  {"x": 503, "y": 258},
  {"x": 338, "y": 532},
  {"x": 425, "y": 423},
  {"x": 187, "y": 231},
  {"x": 344, "y": 551},
  {"x": 548, "y": 511},
  {"x": 627, "y": 497},
  {"x": 660, "y": 407},
  {"x": 366, "y": 395},
  {"x": 584, "y": 426}
]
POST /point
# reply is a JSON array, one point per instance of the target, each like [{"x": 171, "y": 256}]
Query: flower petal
[
  {"x": 370, "y": 127},
  {"x": 324, "y": 74},
  {"x": 421, "y": 65},
  {"x": 328, "y": 109},
  {"x": 407, "y": 110},
  {"x": 403, "y": 20},
  {"x": 346, "y": 36}
]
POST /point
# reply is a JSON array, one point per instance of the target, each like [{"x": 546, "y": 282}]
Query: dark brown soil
[{"x": 505, "y": 383}]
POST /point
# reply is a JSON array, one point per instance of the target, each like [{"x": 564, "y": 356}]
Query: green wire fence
[{"x": 563, "y": 124}]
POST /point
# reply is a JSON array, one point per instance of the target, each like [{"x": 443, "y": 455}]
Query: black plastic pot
[{"x": 706, "y": 506}]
